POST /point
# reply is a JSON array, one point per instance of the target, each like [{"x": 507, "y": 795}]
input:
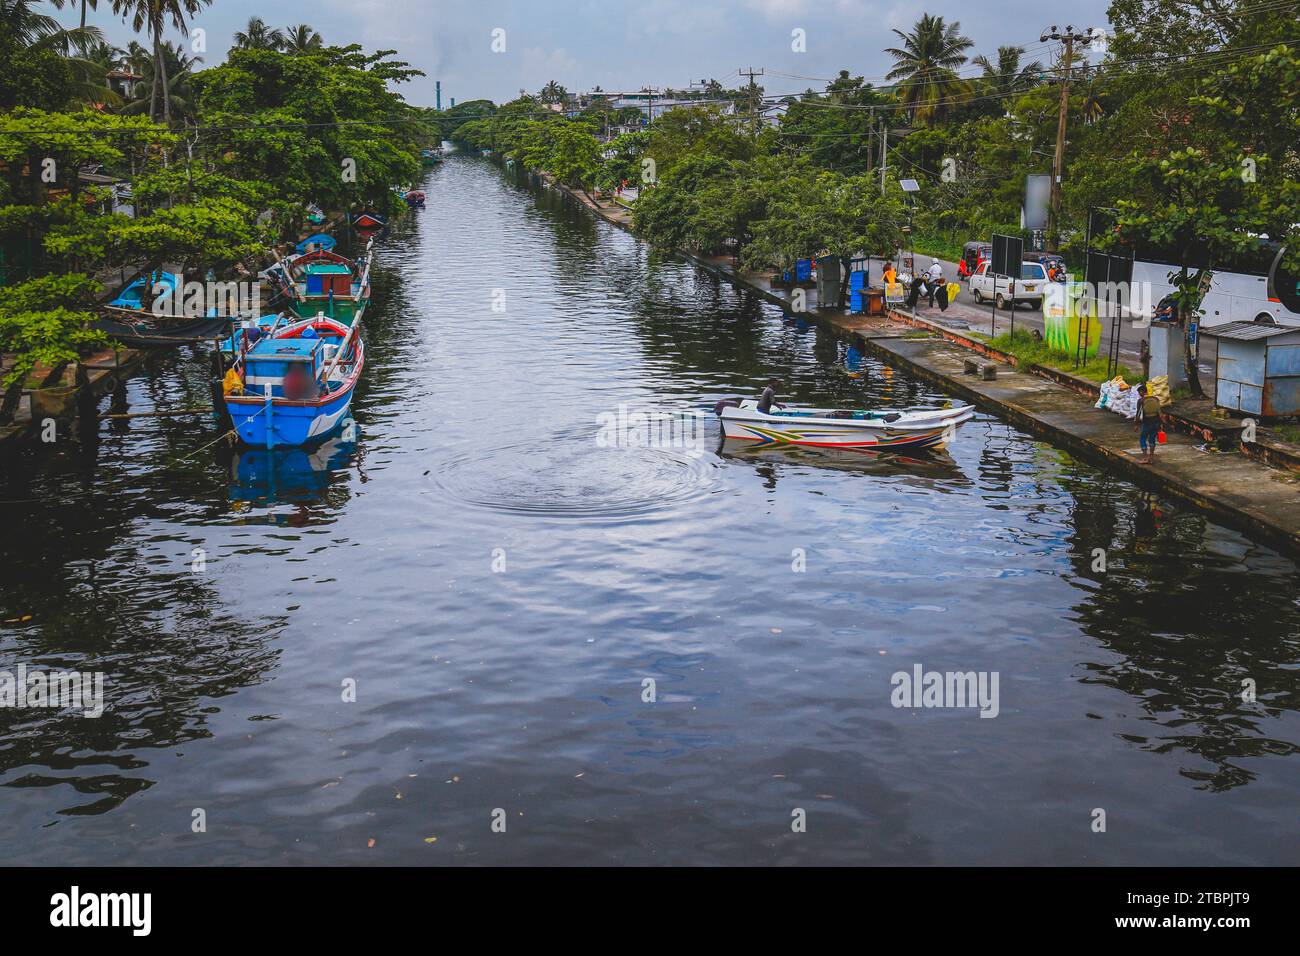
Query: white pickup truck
[{"x": 1028, "y": 290}]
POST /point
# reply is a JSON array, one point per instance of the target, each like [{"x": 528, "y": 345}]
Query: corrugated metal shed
[
  {"x": 1248, "y": 331},
  {"x": 1258, "y": 368}
]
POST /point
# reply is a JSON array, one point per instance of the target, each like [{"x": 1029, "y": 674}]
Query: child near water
[{"x": 1147, "y": 423}]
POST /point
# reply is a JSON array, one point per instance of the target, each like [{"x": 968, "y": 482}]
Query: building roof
[{"x": 1248, "y": 331}]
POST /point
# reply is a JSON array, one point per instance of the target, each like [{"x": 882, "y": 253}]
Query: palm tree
[
  {"x": 24, "y": 25},
  {"x": 927, "y": 64},
  {"x": 1008, "y": 77},
  {"x": 301, "y": 38},
  {"x": 178, "y": 69},
  {"x": 153, "y": 16},
  {"x": 552, "y": 92},
  {"x": 258, "y": 36},
  {"x": 30, "y": 29}
]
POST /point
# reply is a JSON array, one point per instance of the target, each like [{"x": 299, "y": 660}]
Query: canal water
[{"x": 622, "y": 644}]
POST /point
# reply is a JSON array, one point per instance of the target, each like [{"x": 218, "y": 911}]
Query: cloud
[{"x": 538, "y": 65}]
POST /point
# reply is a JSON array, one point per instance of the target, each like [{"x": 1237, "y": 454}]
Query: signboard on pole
[{"x": 1008, "y": 251}]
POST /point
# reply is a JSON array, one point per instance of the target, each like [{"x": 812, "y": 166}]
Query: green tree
[
  {"x": 301, "y": 38},
  {"x": 553, "y": 92},
  {"x": 258, "y": 36},
  {"x": 1008, "y": 76},
  {"x": 296, "y": 119},
  {"x": 1196, "y": 205},
  {"x": 926, "y": 66},
  {"x": 45, "y": 322},
  {"x": 179, "y": 73}
]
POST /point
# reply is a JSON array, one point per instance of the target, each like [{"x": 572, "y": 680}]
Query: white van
[{"x": 1029, "y": 287}]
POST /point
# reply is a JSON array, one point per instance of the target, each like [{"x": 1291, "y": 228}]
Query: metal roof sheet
[{"x": 1248, "y": 331}]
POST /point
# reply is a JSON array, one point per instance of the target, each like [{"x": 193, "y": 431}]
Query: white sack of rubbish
[{"x": 1119, "y": 397}]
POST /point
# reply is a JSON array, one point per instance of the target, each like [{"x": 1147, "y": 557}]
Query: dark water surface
[{"x": 499, "y": 583}]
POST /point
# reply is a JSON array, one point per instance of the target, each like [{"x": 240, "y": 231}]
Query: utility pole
[
  {"x": 871, "y": 146},
  {"x": 1069, "y": 38},
  {"x": 884, "y": 153},
  {"x": 753, "y": 96},
  {"x": 652, "y": 94}
]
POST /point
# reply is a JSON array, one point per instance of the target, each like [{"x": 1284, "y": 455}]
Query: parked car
[
  {"x": 1029, "y": 287},
  {"x": 972, "y": 254}
]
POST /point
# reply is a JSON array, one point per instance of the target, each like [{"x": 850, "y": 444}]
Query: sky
[{"x": 660, "y": 43}]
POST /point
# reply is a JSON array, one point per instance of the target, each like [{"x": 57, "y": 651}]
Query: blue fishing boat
[
  {"x": 320, "y": 240},
  {"x": 164, "y": 324},
  {"x": 296, "y": 385},
  {"x": 132, "y": 297}
]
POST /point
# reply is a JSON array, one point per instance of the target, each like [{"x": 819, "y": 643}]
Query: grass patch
[
  {"x": 1288, "y": 432},
  {"x": 1034, "y": 351}
]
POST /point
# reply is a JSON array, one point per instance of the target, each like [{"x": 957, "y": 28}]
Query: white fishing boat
[{"x": 860, "y": 429}]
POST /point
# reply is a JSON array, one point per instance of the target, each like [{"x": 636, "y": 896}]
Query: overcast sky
[{"x": 662, "y": 43}]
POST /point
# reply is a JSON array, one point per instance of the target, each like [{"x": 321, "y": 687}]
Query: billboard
[{"x": 1038, "y": 196}]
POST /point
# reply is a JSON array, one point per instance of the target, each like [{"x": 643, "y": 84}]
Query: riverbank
[{"x": 1250, "y": 486}]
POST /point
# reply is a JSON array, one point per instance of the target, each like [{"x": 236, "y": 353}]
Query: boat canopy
[
  {"x": 269, "y": 360},
  {"x": 319, "y": 241},
  {"x": 326, "y": 277},
  {"x": 310, "y": 261}
]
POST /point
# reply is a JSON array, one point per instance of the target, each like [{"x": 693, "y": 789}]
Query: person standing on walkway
[
  {"x": 933, "y": 280},
  {"x": 1147, "y": 422}
]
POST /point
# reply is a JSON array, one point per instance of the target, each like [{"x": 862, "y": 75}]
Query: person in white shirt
[{"x": 933, "y": 280}]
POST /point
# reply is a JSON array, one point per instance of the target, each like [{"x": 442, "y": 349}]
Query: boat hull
[
  {"x": 340, "y": 309},
  {"x": 277, "y": 423},
  {"x": 912, "y": 432}
]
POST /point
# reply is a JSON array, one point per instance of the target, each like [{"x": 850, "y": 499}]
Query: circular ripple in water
[{"x": 568, "y": 475}]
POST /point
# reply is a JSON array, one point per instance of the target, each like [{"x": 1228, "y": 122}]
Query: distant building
[{"x": 122, "y": 82}]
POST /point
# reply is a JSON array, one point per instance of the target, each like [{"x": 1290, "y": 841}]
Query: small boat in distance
[
  {"x": 861, "y": 430},
  {"x": 296, "y": 385},
  {"x": 414, "y": 199},
  {"x": 368, "y": 219},
  {"x": 431, "y": 157}
]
